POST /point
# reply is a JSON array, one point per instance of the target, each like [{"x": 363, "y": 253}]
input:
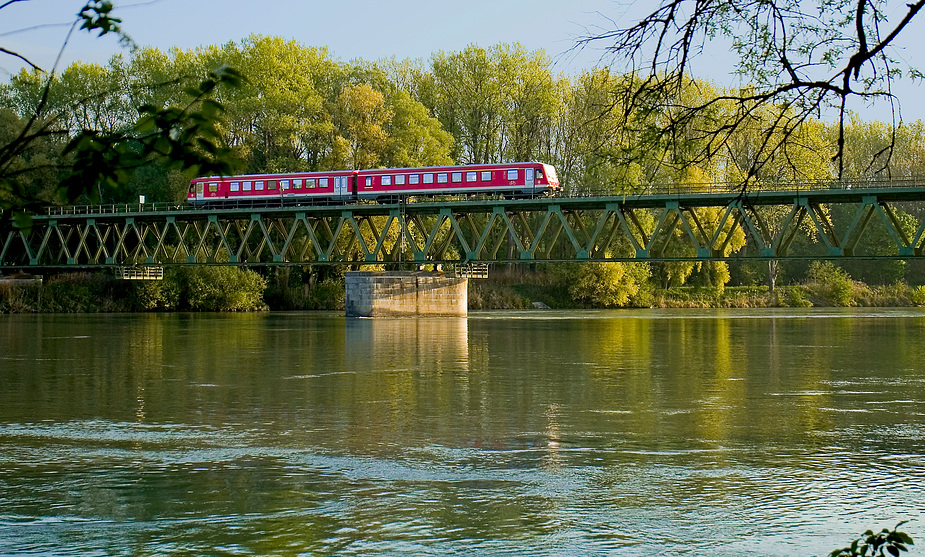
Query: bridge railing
[
  {"x": 115, "y": 208},
  {"x": 573, "y": 191},
  {"x": 728, "y": 187}
]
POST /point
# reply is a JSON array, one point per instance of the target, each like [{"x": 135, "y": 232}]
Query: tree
[
  {"x": 99, "y": 153},
  {"x": 361, "y": 113},
  {"x": 800, "y": 58}
]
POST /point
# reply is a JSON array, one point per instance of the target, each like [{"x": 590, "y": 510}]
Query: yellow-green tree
[{"x": 360, "y": 116}]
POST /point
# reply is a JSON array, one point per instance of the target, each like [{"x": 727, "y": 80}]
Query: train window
[
  {"x": 258, "y": 185},
  {"x": 470, "y": 176},
  {"x": 284, "y": 184},
  {"x": 442, "y": 177},
  {"x": 486, "y": 175},
  {"x": 310, "y": 183},
  {"x": 414, "y": 179},
  {"x": 512, "y": 174},
  {"x": 386, "y": 180},
  {"x": 192, "y": 188},
  {"x": 213, "y": 187},
  {"x": 271, "y": 185},
  {"x": 322, "y": 182},
  {"x": 457, "y": 177},
  {"x": 235, "y": 186},
  {"x": 428, "y": 178},
  {"x": 297, "y": 184},
  {"x": 369, "y": 182},
  {"x": 399, "y": 179},
  {"x": 247, "y": 186}
]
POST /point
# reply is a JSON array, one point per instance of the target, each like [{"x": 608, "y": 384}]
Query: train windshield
[{"x": 550, "y": 173}]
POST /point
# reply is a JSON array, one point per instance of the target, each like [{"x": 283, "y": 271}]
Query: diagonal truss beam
[{"x": 644, "y": 228}]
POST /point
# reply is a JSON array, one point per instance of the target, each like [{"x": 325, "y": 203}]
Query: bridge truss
[{"x": 655, "y": 227}]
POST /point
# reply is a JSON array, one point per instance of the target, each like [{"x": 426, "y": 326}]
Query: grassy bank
[{"x": 514, "y": 290}]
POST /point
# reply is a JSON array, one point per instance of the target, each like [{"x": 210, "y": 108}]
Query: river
[{"x": 651, "y": 432}]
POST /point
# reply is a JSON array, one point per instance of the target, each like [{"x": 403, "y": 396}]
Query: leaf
[{"x": 22, "y": 221}]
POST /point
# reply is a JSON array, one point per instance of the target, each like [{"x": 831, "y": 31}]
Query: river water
[{"x": 719, "y": 432}]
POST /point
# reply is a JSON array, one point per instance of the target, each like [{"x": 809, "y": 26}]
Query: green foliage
[
  {"x": 85, "y": 292},
  {"x": 328, "y": 294},
  {"x": 796, "y": 56},
  {"x": 606, "y": 285},
  {"x": 158, "y": 295},
  {"x": 102, "y": 153},
  {"x": 918, "y": 295},
  {"x": 798, "y": 298},
  {"x": 484, "y": 295},
  {"x": 219, "y": 288},
  {"x": 499, "y": 103},
  {"x": 178, "y": 137},
  {"x": 294, "y": 288},
  {"x": 886, "y": 542},
  {"x": 831, "y": 283},
  {"x": 95, "y": 16}
]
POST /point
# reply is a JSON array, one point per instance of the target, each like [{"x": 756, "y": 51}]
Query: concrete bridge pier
[{"x": 405, "y": 294}]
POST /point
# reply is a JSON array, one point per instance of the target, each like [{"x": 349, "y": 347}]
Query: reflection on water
[{"x": 552, "y": 433}]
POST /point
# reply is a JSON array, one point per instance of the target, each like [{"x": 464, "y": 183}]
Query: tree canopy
[
  {"x": 94, "y": 144},
  {"x": 799, "y": 59}
]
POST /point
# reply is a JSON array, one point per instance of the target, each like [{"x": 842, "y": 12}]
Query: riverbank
[
  {"x": 521, "y": 292},
  {"x": 183, "y": 289},
  {"x": 231, "y": 289}
]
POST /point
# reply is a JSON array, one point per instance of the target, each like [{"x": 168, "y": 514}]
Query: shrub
[
  {"x": 831, "y": 283},
  {"x": 607, "y": 285},
  {"x": 158, "y": 295},
  {"x": 918, "y": 295},
  {"x": 220, "y": 288},
  {"x": 327, "y": 294}
]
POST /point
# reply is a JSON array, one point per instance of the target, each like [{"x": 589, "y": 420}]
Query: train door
[
  {"x": 340, "y": 186},
  {"x": 529, "y": 178},
  {"x": 200, "y": 191}
]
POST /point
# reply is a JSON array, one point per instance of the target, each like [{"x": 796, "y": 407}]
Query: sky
[{"x": 372, "y": 29}]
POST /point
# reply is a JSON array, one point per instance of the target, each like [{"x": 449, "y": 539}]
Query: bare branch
[
  {"x": 10, "y": 2},
  {"x": 21, "y": 57},
  {"x": 798, "y": 63}
]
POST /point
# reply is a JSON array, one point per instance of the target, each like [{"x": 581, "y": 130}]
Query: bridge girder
[{"x": 640, "y": 228}]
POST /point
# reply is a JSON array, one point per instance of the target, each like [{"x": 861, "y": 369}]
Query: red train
[{"x": 382, "y": 184}]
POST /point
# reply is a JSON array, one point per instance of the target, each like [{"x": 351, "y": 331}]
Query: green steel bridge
[{"x": 706, "y": 224}]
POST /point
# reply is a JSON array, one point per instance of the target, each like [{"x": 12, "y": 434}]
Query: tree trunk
[{"x": 773, "y": 271}]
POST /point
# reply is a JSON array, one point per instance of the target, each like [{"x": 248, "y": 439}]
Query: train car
[
  {"x": 384, "y": 184},
  {"x": 272, "y": 189}
]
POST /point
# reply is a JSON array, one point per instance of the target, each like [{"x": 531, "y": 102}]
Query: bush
[
  {"x": 19, "y": 298},
  {"x": 832, "y": 283},
  {"x": 918, "y": 295},
  {"x": 607, "y": 285},
  {"x": 219, "y": 288},
  {"x": 328, "y": 294},
  {"x": 158, "y": 295},
  {"x": 85, "y": 293}
]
